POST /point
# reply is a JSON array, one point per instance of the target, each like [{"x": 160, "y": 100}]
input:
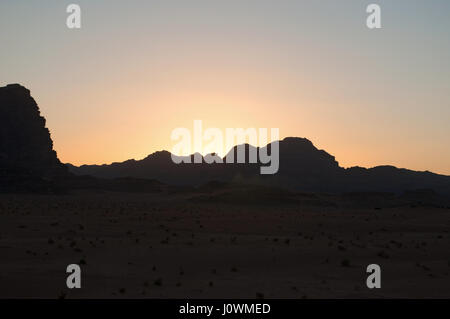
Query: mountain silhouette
[
  {"x": 29, "y": 163},
  {"x": 27, "y": 158},
  {"x": 303, "y": 167}
]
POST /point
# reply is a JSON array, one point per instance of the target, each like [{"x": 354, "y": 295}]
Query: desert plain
[{"x": 223, "y": 242}]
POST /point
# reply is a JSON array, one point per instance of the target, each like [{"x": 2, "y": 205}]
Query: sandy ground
[{"x": 171, "y": 246}]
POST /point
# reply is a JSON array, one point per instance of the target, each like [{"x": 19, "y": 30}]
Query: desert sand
[{"x": 224, "y": 244}]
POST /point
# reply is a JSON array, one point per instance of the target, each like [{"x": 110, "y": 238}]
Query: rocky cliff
[{"x": 27, "y": 158}]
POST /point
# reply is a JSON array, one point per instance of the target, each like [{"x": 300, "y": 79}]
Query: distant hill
[
  {"x": 302, "y": 167},
  {"x": 28, "y": 163}
]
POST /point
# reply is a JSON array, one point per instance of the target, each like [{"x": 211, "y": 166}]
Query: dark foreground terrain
[{"x": 223, "y": 243}]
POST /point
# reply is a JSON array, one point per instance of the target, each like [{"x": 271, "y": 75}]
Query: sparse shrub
[
  {"x": 158, "y": 282},
  {"x": 62, "y": 295},
  {"x": 383, "y": 254},
  {"x": 345, "y": 263}
]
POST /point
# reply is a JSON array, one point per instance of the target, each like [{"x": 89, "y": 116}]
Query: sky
[{"x": 137, "y": 69}]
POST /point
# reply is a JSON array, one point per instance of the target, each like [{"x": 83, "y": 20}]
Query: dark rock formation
[
  {"x": 28, "y": 163},
  {"x": 27, "y": 158},
  {"x": 303, "y": 167}
]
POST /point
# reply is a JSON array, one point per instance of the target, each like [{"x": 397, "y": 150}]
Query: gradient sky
[{"x": 116, "y": 89}]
